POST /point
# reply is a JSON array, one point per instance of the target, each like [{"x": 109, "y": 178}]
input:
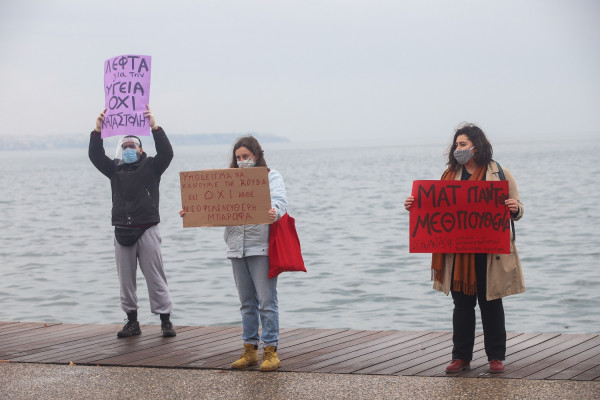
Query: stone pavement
[{"x": 48, "y": 381}]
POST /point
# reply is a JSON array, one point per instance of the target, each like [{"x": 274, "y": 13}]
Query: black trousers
[{"x": 492, "y": 319}]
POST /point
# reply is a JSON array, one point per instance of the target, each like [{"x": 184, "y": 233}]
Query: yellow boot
[
  {"x": 270, "y": 360},
  {"x": 249, "y": 357}
]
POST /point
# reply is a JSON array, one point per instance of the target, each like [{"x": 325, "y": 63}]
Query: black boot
[
  {"x": 166, "y": 326},
  {"x": 132, "y": 327}
]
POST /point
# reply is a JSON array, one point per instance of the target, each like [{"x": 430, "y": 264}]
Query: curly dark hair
[
  {"x": 251, "y": 144},
  {"x": 483, "y": 148}
]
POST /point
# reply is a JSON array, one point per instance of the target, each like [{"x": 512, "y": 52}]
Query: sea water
[{"x": 57, "y": 253}]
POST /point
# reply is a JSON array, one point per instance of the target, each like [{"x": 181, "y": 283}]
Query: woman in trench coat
[{"x": 481, "y": 277}]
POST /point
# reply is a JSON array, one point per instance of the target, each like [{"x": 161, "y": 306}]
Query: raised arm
[
  {"x": 96, "y": 151},
  {"x": 164, "y": 150}
]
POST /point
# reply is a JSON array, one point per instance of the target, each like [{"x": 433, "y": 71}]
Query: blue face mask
[{"x": 130, "y": 156}]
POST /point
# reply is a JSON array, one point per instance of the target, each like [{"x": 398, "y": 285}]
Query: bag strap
[{"x": 503, "y": 178}]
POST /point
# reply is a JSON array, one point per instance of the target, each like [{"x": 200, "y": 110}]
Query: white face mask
[
  {"x": 246, "y": 163},
  {"x": 463, "y": 156}
]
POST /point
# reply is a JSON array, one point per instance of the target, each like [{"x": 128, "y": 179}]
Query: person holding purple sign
[
  {"x": 481, "y": 277},
  {"x": 134, "y": 179}
]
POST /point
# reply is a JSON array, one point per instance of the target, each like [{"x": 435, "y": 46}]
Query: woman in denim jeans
[{"x": 248, "y": 250}]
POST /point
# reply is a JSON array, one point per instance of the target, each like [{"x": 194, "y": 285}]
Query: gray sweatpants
[{"x": 147, "y": 251}]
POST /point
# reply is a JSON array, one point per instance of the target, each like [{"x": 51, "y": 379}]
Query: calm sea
[{"x": 57, "y": 258}]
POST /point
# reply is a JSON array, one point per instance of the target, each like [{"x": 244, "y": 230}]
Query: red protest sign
[{"x": 460, "y": 217}]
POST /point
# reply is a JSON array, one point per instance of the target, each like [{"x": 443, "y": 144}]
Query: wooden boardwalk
[{"x": 340, "y": 351}]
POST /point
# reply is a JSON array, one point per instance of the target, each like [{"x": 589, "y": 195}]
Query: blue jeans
[{"x": 258, "y": 295}]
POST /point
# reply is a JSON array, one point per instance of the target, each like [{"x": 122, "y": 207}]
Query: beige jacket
[{"x": 504, "y": 273}]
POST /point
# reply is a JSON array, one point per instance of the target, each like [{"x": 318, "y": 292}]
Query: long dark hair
[
  {"x": 251, "y": 144},
  {"x": 483, "y": 148}
]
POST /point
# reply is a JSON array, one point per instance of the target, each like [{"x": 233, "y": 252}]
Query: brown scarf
[{"x": 464, "y": 263}]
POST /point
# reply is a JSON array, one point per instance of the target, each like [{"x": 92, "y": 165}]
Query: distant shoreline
[{"x": 82, "y": 141}]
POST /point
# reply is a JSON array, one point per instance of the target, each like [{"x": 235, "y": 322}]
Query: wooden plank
[
  {"x": 342, "y": 346},
  {"x": 115, "y": 347},
  {"x": 514, "y": 352},
  {"x": 426, "y": 342},
  {"x": 4, "y": 325},
  {"x": 435, "y": 361},
  {"x": 56, "y": 343},
  {"x": 229, "y": 351},
  {"x": 103, "y": 337},
  {"x": 479, "y": 356},
  {"x": 299, "y": 358},
  {"x": 591, "y": 374},
  {"x": 569, "y": 364},
  {"x": 63, "y": 334},
  {"x": 529, "y": 356},
  {"x": 303, "y": 334},
  {"x": 15, "y": 328},
  {"x": 13, "y": 333},
  {"x": 182, "y": 344},
  {"x": 579, "y": 370},
  {"x": 544, "y": 358},
  {"x": 367, "y": 355},
  {"x": 583, "y": 347},
  {"x": 127, "y": 348},
  {"x": 346, "y": 353},
  {"x": 105, "y": 345},
  {"x": 406, "y": 344},
  {"x": 35, "y": 336},
  {"x": 522, "y": 359},
  {"x": 101, "y": 334},
  {"x": 201, "y": 352},
  {"x": 314, "y": 342},
  {"x": 324, "y": 344},
  {"x": 301, "y": 342},
  {"x": 210, "y": 349},
  {"x": 29, "y": 335},
  {"x": 379, "y": 352},
  {"x": 295, "y": 352},
  {"x": 480, "y": 363}
]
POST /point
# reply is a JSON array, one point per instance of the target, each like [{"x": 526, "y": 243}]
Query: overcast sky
[{"x": 401, "y": 71}]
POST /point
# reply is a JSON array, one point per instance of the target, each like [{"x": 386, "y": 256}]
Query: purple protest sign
[{"x": 126, "y": 93}]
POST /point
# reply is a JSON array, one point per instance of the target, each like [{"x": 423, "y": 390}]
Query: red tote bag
[{"x": 284, "y": 247}]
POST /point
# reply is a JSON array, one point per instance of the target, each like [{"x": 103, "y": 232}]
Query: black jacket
[{"x": 135, "y": 195}]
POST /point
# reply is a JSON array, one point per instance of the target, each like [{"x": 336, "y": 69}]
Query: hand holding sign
[
  {"x": 148, "y": 114},
  {"x": 99, "y": 121},
  {"x": 408, "y": 202}
]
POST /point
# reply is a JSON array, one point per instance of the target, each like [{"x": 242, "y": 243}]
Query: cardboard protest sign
[
  {"x": 126, "y": 93},
  {"x": 222, "y": 197},
  {"x": 460, "y": 217}
]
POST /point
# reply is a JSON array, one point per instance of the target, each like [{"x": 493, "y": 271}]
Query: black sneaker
[
  {"x": 167, "y": 329},
  {"x": 131, "y": 328}
]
